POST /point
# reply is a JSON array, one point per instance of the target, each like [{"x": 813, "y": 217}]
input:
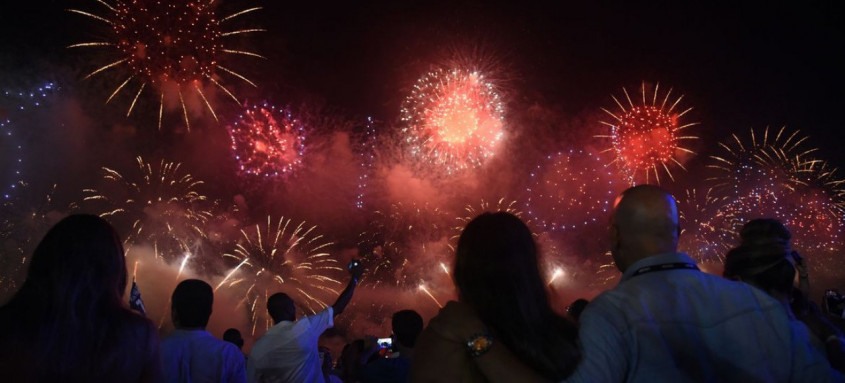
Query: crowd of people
[{"x": 666, "y": 321}]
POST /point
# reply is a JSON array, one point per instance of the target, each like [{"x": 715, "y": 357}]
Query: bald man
[{"x": 667, "y": 321}]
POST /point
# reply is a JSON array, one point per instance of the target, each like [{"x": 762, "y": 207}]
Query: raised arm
[{"x": 346, "y": 295}]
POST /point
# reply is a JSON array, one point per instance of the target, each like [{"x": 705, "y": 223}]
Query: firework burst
[
  {"x": 12, "y": 104},
  {"x": 816, "y": 223},
  {"x": 367, "y": 141},
  {"x": 571, "y": 190},
  {"x": 699, "y": 238},
  {"x": 24, "y": 220},
  {"x": 282, "y": 256},
  {"x": 174, "y": 47},
  {"x": 774, "y": 159},
  {"x": 267, "y": 141},
  {"x": 772, "y": 175},
  {"x": 471, "y": 211},
  {"x": 160, "y": 204},
  {"x": 400, "y": 240},
  {"x": 453, "y": 120},
  {"x": 647, "y": 136}
]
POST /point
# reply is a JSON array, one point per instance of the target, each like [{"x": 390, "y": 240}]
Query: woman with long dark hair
[
  {"x": 498, "y": 277},
  {"x": 68, "y": 321}
]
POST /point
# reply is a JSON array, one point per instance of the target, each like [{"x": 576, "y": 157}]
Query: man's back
[
  {"x": 288, "y": 351},
  {"x": 684, "y": 325},
  {"x": 197, "y": 356}
]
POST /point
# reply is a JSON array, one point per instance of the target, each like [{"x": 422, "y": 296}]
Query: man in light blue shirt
[
  {"x": 190, "y": 354},
  {"x": 668, "y": 321}
]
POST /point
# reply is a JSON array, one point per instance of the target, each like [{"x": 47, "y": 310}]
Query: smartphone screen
[{"x": 385, "y": 342}]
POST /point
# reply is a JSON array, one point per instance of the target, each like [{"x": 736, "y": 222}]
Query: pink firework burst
[{"x": 267, "y": 141}]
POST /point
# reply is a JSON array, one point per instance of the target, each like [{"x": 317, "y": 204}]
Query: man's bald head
[{"x": 644, "y": 223}]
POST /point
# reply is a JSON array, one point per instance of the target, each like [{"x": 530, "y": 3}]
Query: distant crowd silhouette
[{"x": 665, "y": 321}]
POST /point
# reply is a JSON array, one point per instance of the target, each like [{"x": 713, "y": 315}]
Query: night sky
[{"x": 740, "y": 65}]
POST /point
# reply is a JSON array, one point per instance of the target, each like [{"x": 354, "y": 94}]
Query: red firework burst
[
  {"x": 174, "y": 46},
  {"x": 646, "y": 136},
  {"x": 454, "y": 119},
  {"x": 267, "y": 141}
]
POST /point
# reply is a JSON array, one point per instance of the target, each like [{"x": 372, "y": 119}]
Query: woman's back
[
  {"x": 499, "y": 281},
  {"x": 123, "y": 349},
  {"x": 68, "y": 321}
]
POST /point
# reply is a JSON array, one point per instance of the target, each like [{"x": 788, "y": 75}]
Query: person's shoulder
[
  {"x": 133, "y": 325},
  {"x": 322, "y": 314},
  {"x": 230, "y": 350},
  {"x": 318, "y": 319}
]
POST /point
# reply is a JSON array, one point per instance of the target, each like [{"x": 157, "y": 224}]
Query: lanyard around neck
[{"x": 664, "y": 267}]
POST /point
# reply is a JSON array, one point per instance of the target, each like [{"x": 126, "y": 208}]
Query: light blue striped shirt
[{"x": 683, "y": 325}]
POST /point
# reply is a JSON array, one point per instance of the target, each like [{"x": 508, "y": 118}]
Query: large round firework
[
  {"x": 772, "y": 160},
  {"x": 771, "y": 175},
  {"x": 159, "y": 204},
  {"x": 267, "y": 141},
  {"x": 453, "y": 120},
  {"x": 175, "y": 47},
  {"x": 646, "y": 135},
  {"x": 282, "y": 256},
  {"x": 570, "y": 190}
]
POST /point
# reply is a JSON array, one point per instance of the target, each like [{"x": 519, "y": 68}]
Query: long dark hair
[
  {"x": 68, "y": 315},
  {"x": 497, "y": 273}
]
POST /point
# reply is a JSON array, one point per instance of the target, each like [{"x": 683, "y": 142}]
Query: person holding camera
[
  {"x": 288, "y": 351},
  {"x": 395, "y": 366}
]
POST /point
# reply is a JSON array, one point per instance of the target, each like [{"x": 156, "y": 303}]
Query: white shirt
[
  {"x": 194, "y": 356},
  {"x": 288, "y": 351}
]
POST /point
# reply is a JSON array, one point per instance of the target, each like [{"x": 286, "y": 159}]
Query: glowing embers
[
  {"x": 570, "y": 190},
  {"x": 773, "y": 161},
  {"x": 174, "y": 46},
  {"x": 646, "y": 136},
  {"x": 267, "y": 141},
  {"x": 280, "y": 255},
  {"x": 815, "y": 220},
  {"x": 699, "y": 238},
  {"x": 14, "y": 104},
  {"x": 453, "y": 120},
  {"x": 160, "y": 202}
]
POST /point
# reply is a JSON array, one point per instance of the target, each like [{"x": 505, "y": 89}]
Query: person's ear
[{"x": 614, "y": 237}]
